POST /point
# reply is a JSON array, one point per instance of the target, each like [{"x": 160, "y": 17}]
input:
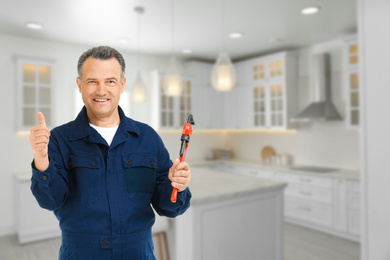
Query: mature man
[{"x": 100, "y": 172}]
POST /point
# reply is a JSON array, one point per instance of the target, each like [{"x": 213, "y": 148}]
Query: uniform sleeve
[
  {"x": 50, "y": 188},
  {"x": 161, "y": 200}
]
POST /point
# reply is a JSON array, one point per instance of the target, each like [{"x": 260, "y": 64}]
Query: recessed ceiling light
[
  {"x": 236, "y": 35},
  {"x": 186, "y": 51},
  {"x": 123, "y": 40},
  {"x": 35, "y": 26},
  {"x": 310, "y": 10}
]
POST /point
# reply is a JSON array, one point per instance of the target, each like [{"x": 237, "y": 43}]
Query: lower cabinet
[
  {"x": 32, "y": 223},
  {"x": 327, "y": 204}
]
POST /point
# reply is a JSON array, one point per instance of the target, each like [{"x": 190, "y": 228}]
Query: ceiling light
[
  {"x": 235, "y": 35},
  {"x": 223, "y": 75},
  {"x": 186, "y": 51},
  {"x": 123, "y": 40},
  {"x": 35, "y": 26},
  {"x": 138, "y": 89},
  {"x": 310, "y": 10}
]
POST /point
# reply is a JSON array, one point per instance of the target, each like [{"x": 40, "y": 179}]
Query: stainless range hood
[{"x": 321, "y": 107}]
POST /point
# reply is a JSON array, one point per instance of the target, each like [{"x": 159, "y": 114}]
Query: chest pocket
[
  {"x": 140, "y": 176},
  {"x": 85, "y": 177}
]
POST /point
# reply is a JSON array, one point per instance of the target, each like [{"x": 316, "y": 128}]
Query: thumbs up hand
[{"x": 39, "y": 141}]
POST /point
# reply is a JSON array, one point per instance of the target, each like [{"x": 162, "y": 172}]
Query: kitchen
[{"x": 330, "y": 144}]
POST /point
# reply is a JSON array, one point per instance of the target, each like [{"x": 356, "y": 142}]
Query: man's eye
[
  {"x": 111, "y": 82},
  {"x": 91, "y": 81}
]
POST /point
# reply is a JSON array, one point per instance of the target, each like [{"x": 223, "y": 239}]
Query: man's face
[{"x": 101, "y": 86}]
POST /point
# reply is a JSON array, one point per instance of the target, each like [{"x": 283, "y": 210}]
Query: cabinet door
[
  {"x": 352, "y": 99},
  {"x": 199, "y": 109},
  {"x": 352, "y": 83},
  {"x": 35, "y": 92},
  {"x": 245, "y": 107},
  {"x": 340, "y": 205},
  {"x": 277, "y": 104},
  {"x": 213, "y": 100},
  {"x": 230, "y": 109}
]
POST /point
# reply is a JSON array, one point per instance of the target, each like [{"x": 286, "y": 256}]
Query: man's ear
[
  {"x": 123, "y": 84},
  {"x": 78, "y": 81}
]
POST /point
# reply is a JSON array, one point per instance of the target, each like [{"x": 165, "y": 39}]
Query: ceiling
[{"x": 198, "y": 24}]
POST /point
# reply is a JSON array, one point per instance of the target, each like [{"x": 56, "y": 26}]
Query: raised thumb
[{"x": 41, "y": 118}]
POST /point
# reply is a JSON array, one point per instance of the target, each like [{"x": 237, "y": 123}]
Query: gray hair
[{"x": 101, "y": 53}]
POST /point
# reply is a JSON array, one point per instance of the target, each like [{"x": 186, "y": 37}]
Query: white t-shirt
[{"x": 106, "y": 132}]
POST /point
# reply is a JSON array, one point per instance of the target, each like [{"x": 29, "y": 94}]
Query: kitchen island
[{"x": 231, "y": 217}]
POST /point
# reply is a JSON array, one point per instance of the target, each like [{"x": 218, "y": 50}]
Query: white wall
[
  {"x": 320, "y": 143},
  {"x": 374, "y": 44},
  {"x": 15, "y": 150}
]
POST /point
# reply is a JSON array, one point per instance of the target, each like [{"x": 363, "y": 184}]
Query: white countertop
[
  {"x": 212, "y": 185},
  {"x": 340, "y": 173}
]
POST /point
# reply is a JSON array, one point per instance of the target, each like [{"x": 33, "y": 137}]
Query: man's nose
[{"x": 101, "y": 89}]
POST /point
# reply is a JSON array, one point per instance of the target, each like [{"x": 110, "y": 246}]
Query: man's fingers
[{"x": 41, "y": 119}]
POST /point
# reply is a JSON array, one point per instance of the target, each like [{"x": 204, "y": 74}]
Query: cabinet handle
[
  {"x": 305, "y": 208},
  {"x": 304, "y": 180},
  {"x": 305, "y": 193}
]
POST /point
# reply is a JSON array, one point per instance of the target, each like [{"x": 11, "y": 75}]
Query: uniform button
[
  {"x": 104, "y": 242},
  {"x": 152, "y": 163},
  {"x": 93, "y": 164},
  {"x": 44, "y": 177},
  {"x": 128, "y": 162}
]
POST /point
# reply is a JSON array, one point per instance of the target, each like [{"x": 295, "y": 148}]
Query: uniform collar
[{"x": 81, "y": 128}]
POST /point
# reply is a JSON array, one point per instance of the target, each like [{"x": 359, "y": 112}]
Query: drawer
[
  {"x": 310, "y": 212},
  {"x": 309, "y": 180},
  {"x": 353, "y": 186},
  {"x": 309, "y": 193},
  {"x": 353, "y": 200},
  {"x": 354, "y": 222},
  {"x": 258, "y": 173}
]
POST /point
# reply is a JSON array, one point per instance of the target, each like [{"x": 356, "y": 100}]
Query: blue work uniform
[{"x": 102, "y": 194}]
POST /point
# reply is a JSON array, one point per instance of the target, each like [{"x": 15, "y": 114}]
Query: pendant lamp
[
  {"x": 138, "y": 89},
  {"x": 173, "y": 84},
  {"x": 223, "y": 76}
]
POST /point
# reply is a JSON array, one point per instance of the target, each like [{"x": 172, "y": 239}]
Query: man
[{"x": 100, "y": 172}]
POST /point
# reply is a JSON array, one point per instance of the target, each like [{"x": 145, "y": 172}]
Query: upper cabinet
[
  {"x": 271, "y": 89},
  {"x": 170, "y": 112},
  {"x": 264, "y": 97},
  {"x": 35, "y": 92},
  {"x": 351, "y": 59}
]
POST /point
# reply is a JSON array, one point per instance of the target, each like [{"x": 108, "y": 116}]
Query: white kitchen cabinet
[
  {"x": 272, "y": 90},
  {"x": 230, "y": 109},
  {"x": 352, "y": 82},
  {"x": 340, "y": 205},
  {"x": 170, "y": 112},
  {"x": 327, "y": 204},
  {"x": 32, "y": 222},
  {"x": 35, "y": 84},
  {"x": 354, "y": 212}
]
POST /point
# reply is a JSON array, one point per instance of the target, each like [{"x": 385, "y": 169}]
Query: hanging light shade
[
  {"x": 138, "y": 90},
  {"x": 173, "y": 84},
  {"x": 223, "y": 75}
]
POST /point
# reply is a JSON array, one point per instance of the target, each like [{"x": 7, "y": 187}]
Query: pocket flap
[
  {"x": 139, "y": 160},
  {"x": 83, "y": 161}
]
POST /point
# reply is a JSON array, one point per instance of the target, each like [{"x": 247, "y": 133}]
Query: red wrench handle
[{"x": 185, "y": 138}]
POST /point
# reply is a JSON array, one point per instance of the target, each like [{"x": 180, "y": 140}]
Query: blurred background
[{"x": 293, "y": 109}]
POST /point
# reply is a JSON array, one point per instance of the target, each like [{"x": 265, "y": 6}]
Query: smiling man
[{"x": 101, "y": 173}]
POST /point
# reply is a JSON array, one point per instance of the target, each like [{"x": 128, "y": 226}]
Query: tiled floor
[{"x": 300, "y": 244}]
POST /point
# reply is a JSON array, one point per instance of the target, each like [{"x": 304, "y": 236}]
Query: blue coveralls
[{"x": 101, "y": 194}]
